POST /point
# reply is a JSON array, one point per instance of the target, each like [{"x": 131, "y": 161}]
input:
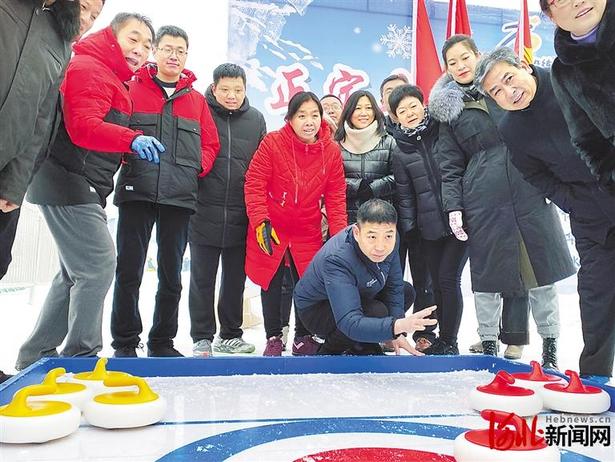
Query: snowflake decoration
[{"x": 398, "y": 41}]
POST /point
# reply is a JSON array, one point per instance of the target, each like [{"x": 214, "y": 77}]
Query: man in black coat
[
  {"x": 583, "y": 79},
  {"x": 219, "y": 226},
  {"x": 35, "y": 37},
  {"x": 549, "y": 162}
]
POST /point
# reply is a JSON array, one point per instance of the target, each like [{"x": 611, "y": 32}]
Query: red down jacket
[{"x": 284, "y": 184}]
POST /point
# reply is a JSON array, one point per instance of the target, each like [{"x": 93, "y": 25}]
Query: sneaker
[
  {"x": 202, "y": 349},
  {"x": 305, "y": 346},
  {"x": 422, "y": 343},
  {"x": 274, "y": 347},
  {"x": 233, "y": 346},
  {"x": 163, "y": 351},
  {"x": 513, "y": 352},
  {"x": 549, "y": 353},
  {"x": 490, "y": 347},
  {"x": 125, "y": 352},
  {"x": 476, "y": 347},
  {"x": 442, "y": 347},
  {"x": 284, "y": 336},
  {"x": 599, "y": 379}
]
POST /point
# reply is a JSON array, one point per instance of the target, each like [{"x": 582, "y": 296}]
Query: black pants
[
  {"x": 446, "y": 258},
  {"x": 514, "y": 326},
  {"x": 8, "y": 229},
  {"x": 204, "y": 261},
  {"x": 421, "y": 277},
  {"x": 135, "y": 223},
  {"x": 597, "y": 302},
  {"x": 271, "y": 299},
  {"x": 287, "y": 296},
  {"x": 320, "y": 321}
]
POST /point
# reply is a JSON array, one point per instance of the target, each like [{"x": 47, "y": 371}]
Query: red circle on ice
[{"x": 376, "y": 455}]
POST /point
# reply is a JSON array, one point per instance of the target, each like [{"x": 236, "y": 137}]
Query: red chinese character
[
  {"x": 289, "y": 81},
  {"x": 345, "y": 80}
]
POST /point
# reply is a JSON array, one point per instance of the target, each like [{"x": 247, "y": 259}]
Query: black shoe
[
  {"x": 365, "y": 349},
  {"x": 163, "y": 351},
  {"x": 442, "y": 347},
  {"x": 325, "y": 350},
  {"x": 549, "y": 353},
  {"x": 125, "y": 352},
  {"x": 4, "y": 377},
  {"x": 490, "y": 347}
]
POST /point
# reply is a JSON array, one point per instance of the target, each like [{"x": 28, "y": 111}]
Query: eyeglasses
[
  {"x": 168, "y": 51},
  {"x": 559, "y": 3}
]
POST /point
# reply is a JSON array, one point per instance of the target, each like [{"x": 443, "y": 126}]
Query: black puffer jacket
[
  {"x": 417, "y": 178},
  {"x": 36, "y": 47},
  {"x": 584, "y": 83},
  {"x": 516, "y": 239},
  {"x": 221, "y": 219},
  {"x": 375, "y": 166}
]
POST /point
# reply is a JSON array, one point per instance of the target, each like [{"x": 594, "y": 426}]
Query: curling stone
[
  {"x": 125, "y": 409},
  {"x": 501, "y": 395},
  {"x": 24, "y": 421},
  {"x": 501, "y": 443},
  {"x": 574, "y": 397},
  {"x": 72, "y": 393},
  {"x": 537, "y": 379},
  {"x": 94, "y": 379}
]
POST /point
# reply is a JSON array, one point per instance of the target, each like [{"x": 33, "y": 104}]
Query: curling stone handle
[
  {"x": 52, "y": 376},
  {"x": 19, "y": 405},
  {"x": 127, "y": 380}
]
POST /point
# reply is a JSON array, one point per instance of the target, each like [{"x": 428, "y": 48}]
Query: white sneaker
[
  {"x": 233, "y": 346},
  {"x": 513, "y": 352},
  {"x": 202, "y": 349}
]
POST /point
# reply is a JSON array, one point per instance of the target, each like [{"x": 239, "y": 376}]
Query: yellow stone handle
[
  {"x": 19, "y": 406},
  {"x": 100, "y": 370},
  {"x": 143, "y": 395},
  {"x": 62, "y": 387},
  {"x": 52, "y": 376}
]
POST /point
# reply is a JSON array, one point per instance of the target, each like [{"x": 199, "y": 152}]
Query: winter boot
[
  {"x": 490, "y": 347},
  {"x": 549, "y": 353}
]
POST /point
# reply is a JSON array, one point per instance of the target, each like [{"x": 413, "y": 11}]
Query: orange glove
[{"x": 266, "y": 237}]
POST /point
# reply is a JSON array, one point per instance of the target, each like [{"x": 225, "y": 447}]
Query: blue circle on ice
[{"x": 224, "y": 445}]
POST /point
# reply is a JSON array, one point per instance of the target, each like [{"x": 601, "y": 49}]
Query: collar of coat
[
  {"x": 448, "y": 99},
  {"x": 361, "y": 140},
  {"x": 571, "y": 52},
  {"x": 103, "y": 47},
  {"x": 147, "y": 73}
]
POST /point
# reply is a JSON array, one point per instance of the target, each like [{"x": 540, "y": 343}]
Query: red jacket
[
  {"x": 284, "y": 184},
  {"x": 183, "y": 124}
]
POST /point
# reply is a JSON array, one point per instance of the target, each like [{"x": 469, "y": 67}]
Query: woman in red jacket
[{"x": 290, "y": 172}]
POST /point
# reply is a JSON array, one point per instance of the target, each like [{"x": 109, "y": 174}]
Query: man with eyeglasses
[
  {"x": 332, "y": 107},
  {"x": 583, "y": 79},
  {"x": 162, "y": 192}
]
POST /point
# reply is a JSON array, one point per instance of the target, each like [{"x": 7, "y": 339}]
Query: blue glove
[{"x": 147, "y": 147}]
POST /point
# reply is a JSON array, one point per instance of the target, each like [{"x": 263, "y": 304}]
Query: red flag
[
  {"x": 458, "y": 20},
  {"x": 425, "y": 63},
  {"x": 524, "y": 36}
]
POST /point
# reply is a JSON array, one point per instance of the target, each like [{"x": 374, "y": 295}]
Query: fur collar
[
  {"x": 66, "y": 14},
  {"x": 446, "y": 100}
]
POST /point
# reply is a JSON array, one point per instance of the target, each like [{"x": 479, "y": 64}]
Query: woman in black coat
[
  {"x": 418, "y": 182},
  {"x": 367, "y": 152},
  {"x": 516, "y": 242}
]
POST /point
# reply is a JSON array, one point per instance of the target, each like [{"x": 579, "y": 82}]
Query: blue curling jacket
[{"x": 341, "y": 273}]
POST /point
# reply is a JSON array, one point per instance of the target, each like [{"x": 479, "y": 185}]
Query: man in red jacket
[
  {"x": 163, "y": 193},
  {"x": 72, "y": 185}
]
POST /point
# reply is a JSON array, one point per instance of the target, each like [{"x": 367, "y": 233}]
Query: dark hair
[
  {"x": 390, "y": 78},
  {"x": 229, "y": 70},
  {"x": 544, "y": 6},
  {"x": 331, "y": 95},
  {"x": 350, "y": 106},
  {"x": 454, "y": 40},
  {"x": 401, "y": 92},
  {"x": 376, "y": 211},
  {"x": 121, "y": 19},
  {"x": 297, "y": 100},
  {"x": 172, "y": 31}
]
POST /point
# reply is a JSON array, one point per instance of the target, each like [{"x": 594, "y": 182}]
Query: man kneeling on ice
[{"x": 353, "y": 294}]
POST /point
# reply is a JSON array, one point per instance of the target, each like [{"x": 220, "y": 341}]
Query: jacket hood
[
  {"x": 103, "y": 47},
  {"x": 571, "y": 52},
  {"x": 149, "y": 71},
  {"x": 216, "y": 106},
  {"x": 446, "y": 100}
]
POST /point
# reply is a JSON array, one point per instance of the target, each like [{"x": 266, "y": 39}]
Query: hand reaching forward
[{"x": 408, "y": 325}]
